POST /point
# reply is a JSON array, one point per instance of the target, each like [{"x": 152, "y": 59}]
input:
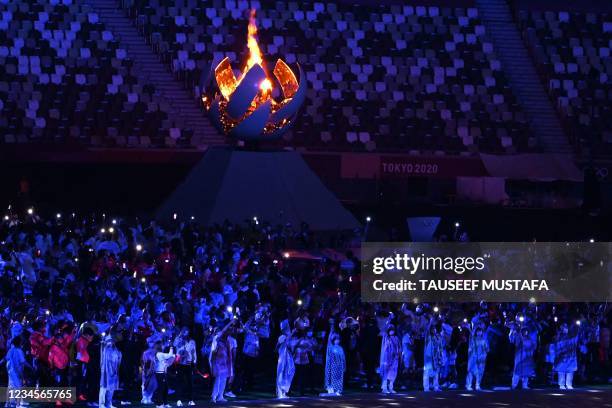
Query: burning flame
[
  {"x": 225, "y": 77},
  {"x": 266, "y": 85},
  {"x": 255, "y": 55},
  {"x": 230, "y": 110}
]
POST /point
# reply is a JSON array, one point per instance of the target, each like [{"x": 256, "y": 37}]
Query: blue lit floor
[{"x": 535, "y": 398}]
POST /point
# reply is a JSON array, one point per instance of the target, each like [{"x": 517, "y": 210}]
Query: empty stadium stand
[
  {"x": 196, "y": 130},
  {"x": 571, "y": 48},
  {"x": 384, "y": 76},
  {"x": 64, "y": 78},
  {"x": 523, "y": 76},
  {"x": 381, "y": 77}
]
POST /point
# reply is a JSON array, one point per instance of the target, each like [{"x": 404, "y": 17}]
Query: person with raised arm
[
  {"x": 221, "y": 362},
  {"x": 335, "y": 363},
  {"x": 524, "y": 348},
  {"x": 433, "y": 356},
  {"x": 149, "y": 381},
  {"x": 478, "y": 348},
  {"x": 250, "y": 352},
  {"x": 186, "y": 350},
  {"x": 110, "y": 359},
  {"x": 390, "y": 351},
  {"x": 162, "y": 362},
  {"x": 565, "y": 361}
]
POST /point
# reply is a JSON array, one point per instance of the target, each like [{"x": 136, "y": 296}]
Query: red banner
[{"x": 423, "y": 166}]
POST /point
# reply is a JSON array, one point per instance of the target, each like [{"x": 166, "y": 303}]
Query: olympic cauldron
[{"x": 243, "y": 107}]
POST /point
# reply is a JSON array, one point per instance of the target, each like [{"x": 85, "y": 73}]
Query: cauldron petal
[
  {"x": 294, "y": 104},
  {"x": 253, "y": 125},
  {"x": 247, "y": 90}
]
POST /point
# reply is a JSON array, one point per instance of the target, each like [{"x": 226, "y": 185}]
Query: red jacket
[
  {"x": 59, "y": 356},
  {"x": 39, "y": 346},
  {"x": 81, "y": 350}
]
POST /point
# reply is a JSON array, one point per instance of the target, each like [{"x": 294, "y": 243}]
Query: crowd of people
[{"x": 126, "y": 310}]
